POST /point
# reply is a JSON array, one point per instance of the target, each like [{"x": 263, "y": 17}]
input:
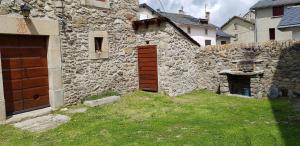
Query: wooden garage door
[
  {"x": 25, "y": 73},
  {"x": 147, "y": 58}
]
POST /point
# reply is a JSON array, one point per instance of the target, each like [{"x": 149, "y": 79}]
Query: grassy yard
[{"x": 199, "y": 118}]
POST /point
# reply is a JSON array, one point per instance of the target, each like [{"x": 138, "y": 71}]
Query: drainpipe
[{"x": 255, "y": 25}]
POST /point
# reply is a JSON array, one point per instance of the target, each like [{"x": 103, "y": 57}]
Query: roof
[
  {"x": 237, "y": 17},
  {"x": 221, "y": 33},
  {"x": 185, "y": 19},
  {"x": 179, "y": 18},
  {"x": 163, "y": 19},
  {"x": 290, "y": 18},
  {"x": 271, "y": 3}
]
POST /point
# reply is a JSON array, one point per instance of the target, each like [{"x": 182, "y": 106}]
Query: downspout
[{"x": 255, "y": 26}]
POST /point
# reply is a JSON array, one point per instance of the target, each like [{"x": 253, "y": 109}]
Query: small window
[
  {"x": 272, "y": 33},
  {"x": 236, "y": 37},
  {"x": 98, "y": 44},
  {"x": 189, "y": 29},
  {"x": 235, "y": 26},
  {"x": 223, "y": 42},
  {"x": 278, "y": 11},
  {"x": 206, "y": 31},
  {"x": 207, "y": 42}
]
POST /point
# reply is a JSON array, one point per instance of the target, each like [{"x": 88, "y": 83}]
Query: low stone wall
[{"x": 279, "y": 61}]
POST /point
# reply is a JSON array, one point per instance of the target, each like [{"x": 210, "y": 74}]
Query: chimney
[
  {"x": 207, "y": 16},
  {"x": 181, "y": 11}
]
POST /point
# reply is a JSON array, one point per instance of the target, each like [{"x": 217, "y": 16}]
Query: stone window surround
[
  {"x": 96, "y": 3},
  {"x": 46, "y": 27},
  {"x": 105, "y": 47}
]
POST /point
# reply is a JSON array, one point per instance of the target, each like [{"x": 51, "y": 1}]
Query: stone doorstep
[
  {"x": 104, "y": 101},
  {"x": 43, "y": 123},
  {"x": 27, "y": 115}
]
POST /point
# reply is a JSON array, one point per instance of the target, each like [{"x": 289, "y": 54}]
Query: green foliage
[
  {"x": 199, "y": 118},
  {"x": 103, "y": 94}
]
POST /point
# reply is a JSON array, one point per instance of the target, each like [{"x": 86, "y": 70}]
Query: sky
[{"x": 221, "y": 10}]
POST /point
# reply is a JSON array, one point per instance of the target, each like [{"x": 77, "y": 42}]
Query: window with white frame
[{"x": 96, "y": 3}]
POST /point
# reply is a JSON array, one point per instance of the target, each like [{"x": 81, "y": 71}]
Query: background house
[
  {"x": 199, "y": 29},
  {"x": 240, "y": 28},
  {"x": 222, "y": 37},
  {"x": 290, "y": 22},
  {"x": 268, "y": 15}
]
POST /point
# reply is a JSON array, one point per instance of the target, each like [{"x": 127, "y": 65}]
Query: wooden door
[
  {"x": 147, "y": 60},
  {"x": 25, "y": 73}
]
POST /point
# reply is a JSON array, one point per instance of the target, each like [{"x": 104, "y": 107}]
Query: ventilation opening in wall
[
  {"x": 240, "y": 85},
  {"x": 98, "y": 44}
]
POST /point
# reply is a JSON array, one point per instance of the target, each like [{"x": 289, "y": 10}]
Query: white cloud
[{"x": 221, "y": 10}]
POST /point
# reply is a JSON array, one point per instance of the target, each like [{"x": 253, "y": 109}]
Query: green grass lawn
[{"x": 199, "y": 118}]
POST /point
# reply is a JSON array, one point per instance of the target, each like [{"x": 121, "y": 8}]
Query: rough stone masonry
[
  {"x": 183, "y": 66},
  {"x": 83, "y": 76},
  {"x": 279, "y": 61}
]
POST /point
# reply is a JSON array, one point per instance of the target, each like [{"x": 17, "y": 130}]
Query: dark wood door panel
[
  {"x": 32, "y": 92},
  {"x": 13, "y": 106},
  {"x": 22, "y": 41},
  {"x": 34, "y": 82},
  {"x": 34, "y": 62},
  {"x": 25, "y": 72},
  {"x": 38, "y": 102},
  {"x": 11, "y": 85},
  {"x": 150, "y": 55},
  {"x": 147, "y": 60},
  {"x": 11, "y": 63},
  {"x": 12, "y": 74},
  {"x": 146, "y": 68},
  {"x": 13, "y": 95},
  {"x": 35, "y": 72}
]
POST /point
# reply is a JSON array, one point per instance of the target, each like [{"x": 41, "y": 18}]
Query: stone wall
[
  {"x": 82, "y": 76},
  {"x": 177, "y": 69},
  {"x": 182, "y": 65},
  {"x": 279, "y": 61}
]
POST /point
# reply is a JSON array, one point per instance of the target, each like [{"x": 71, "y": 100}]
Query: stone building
[
  {"x": 176, "y": 52},
  {"x": 200, "y": 30},
  {"x": 67, "y": 50},
  {"x": 268, "y": 15},
  {"x": 241, "y": 29},
  {"x": 81, "y": 48}
]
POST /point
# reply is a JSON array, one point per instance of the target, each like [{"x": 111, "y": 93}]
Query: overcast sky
[{"x": 221, "y": 10}]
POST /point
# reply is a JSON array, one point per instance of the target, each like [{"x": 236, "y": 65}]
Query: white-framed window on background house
[{"x": 96, "y": 3}]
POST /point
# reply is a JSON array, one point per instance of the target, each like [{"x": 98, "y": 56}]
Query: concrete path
[{"x": 43, "y": 123}]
